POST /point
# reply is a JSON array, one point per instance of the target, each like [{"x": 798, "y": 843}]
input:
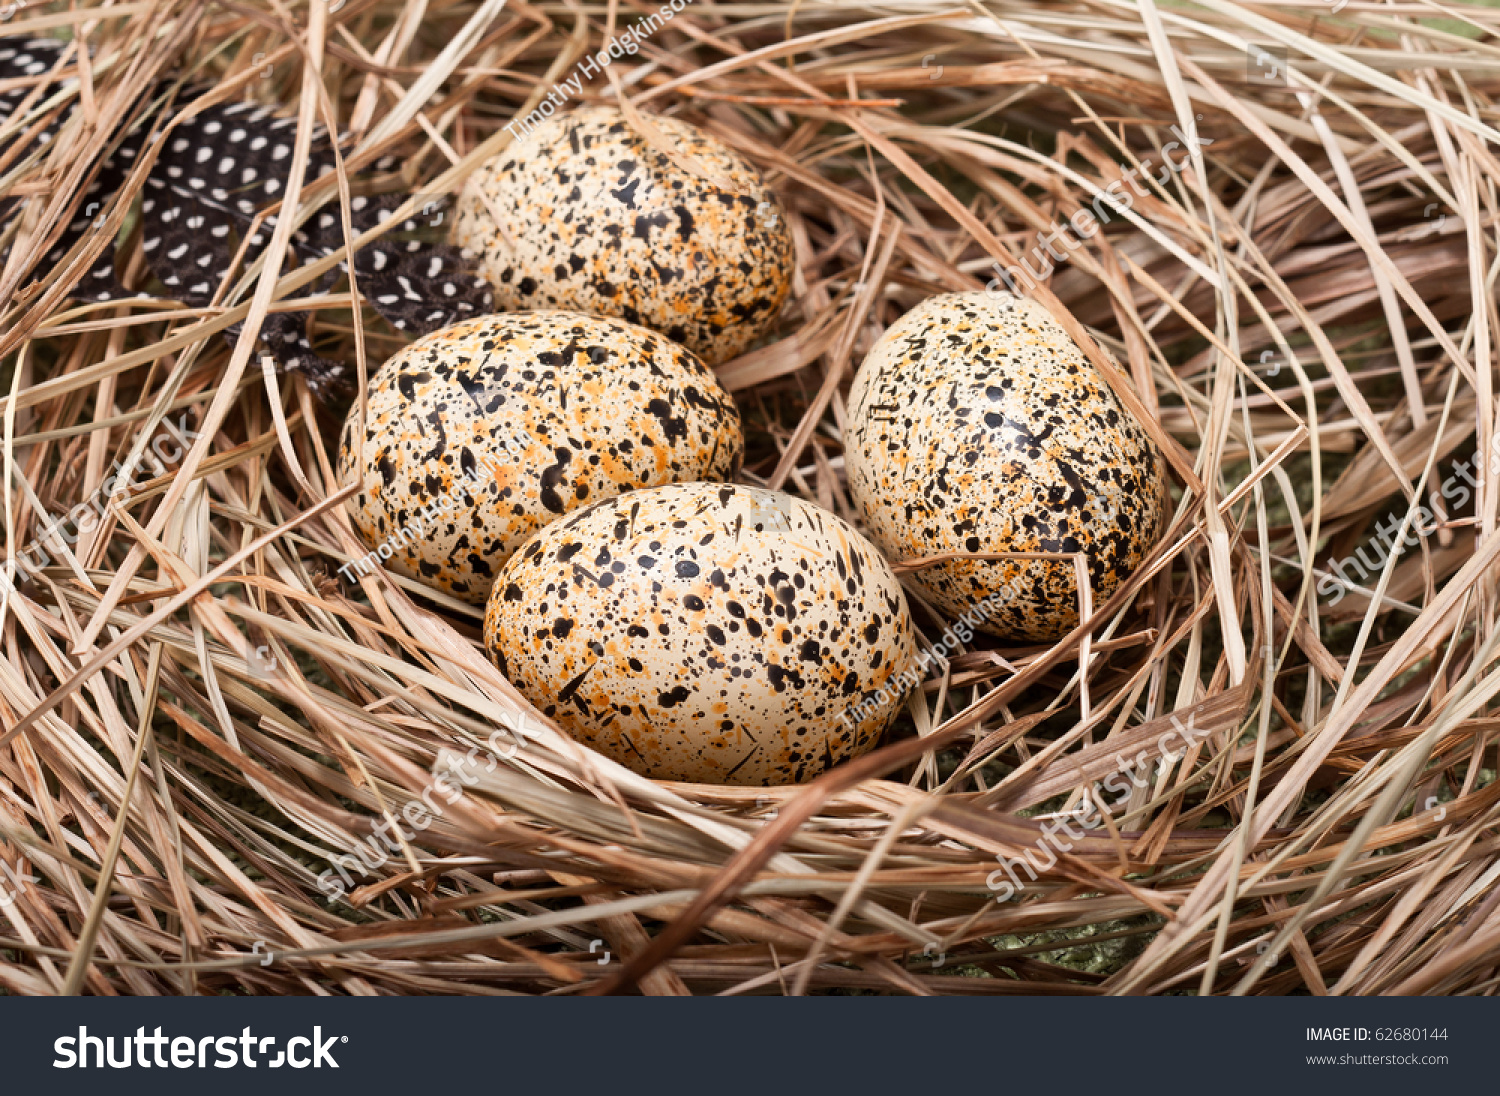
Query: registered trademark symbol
[{"x": 343, "y": 1038}]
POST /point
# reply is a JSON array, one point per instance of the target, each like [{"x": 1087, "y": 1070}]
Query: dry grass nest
[{"x": 199, "y": 714}]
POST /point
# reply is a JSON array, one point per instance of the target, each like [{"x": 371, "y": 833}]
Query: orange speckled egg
[
  {"x": 599, "y": 221},
  {"x": 977, "y": 425},
  {"x": 707, "y": 632},
  {"x": 481, "y": 433}
]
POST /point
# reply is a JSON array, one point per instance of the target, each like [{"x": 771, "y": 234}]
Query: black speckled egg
[
  {"x": 707, "y": 632},
  {"x": 599, "y": 221},
  {"x": 977, "y": 425},
  {"x": 513, "y": 421}
]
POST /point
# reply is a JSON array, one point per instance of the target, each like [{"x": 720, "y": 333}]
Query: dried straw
[{"x": 1304, "y": 314}]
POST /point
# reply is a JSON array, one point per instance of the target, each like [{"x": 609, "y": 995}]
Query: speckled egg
[
  {"x": 976, "y": 425},
  {"x": 480, "y": 434},
  {"x": 707, "y": 632},
  {"x": 596, "y": 219}
]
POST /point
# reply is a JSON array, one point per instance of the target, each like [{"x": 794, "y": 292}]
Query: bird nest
[{"x": 1263, "y": 765}]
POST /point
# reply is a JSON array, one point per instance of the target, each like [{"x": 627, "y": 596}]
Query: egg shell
[
  {"x": 601, "y": 222},
  {"x": 708, "y": 633},
  {"x": 976, "y": 424},
  {"x": 550, "y": 410}
]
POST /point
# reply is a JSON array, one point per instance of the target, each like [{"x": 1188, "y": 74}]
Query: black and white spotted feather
[
  {"x": 216, "y": 172},
  {"x": 22, "y": 57}
]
